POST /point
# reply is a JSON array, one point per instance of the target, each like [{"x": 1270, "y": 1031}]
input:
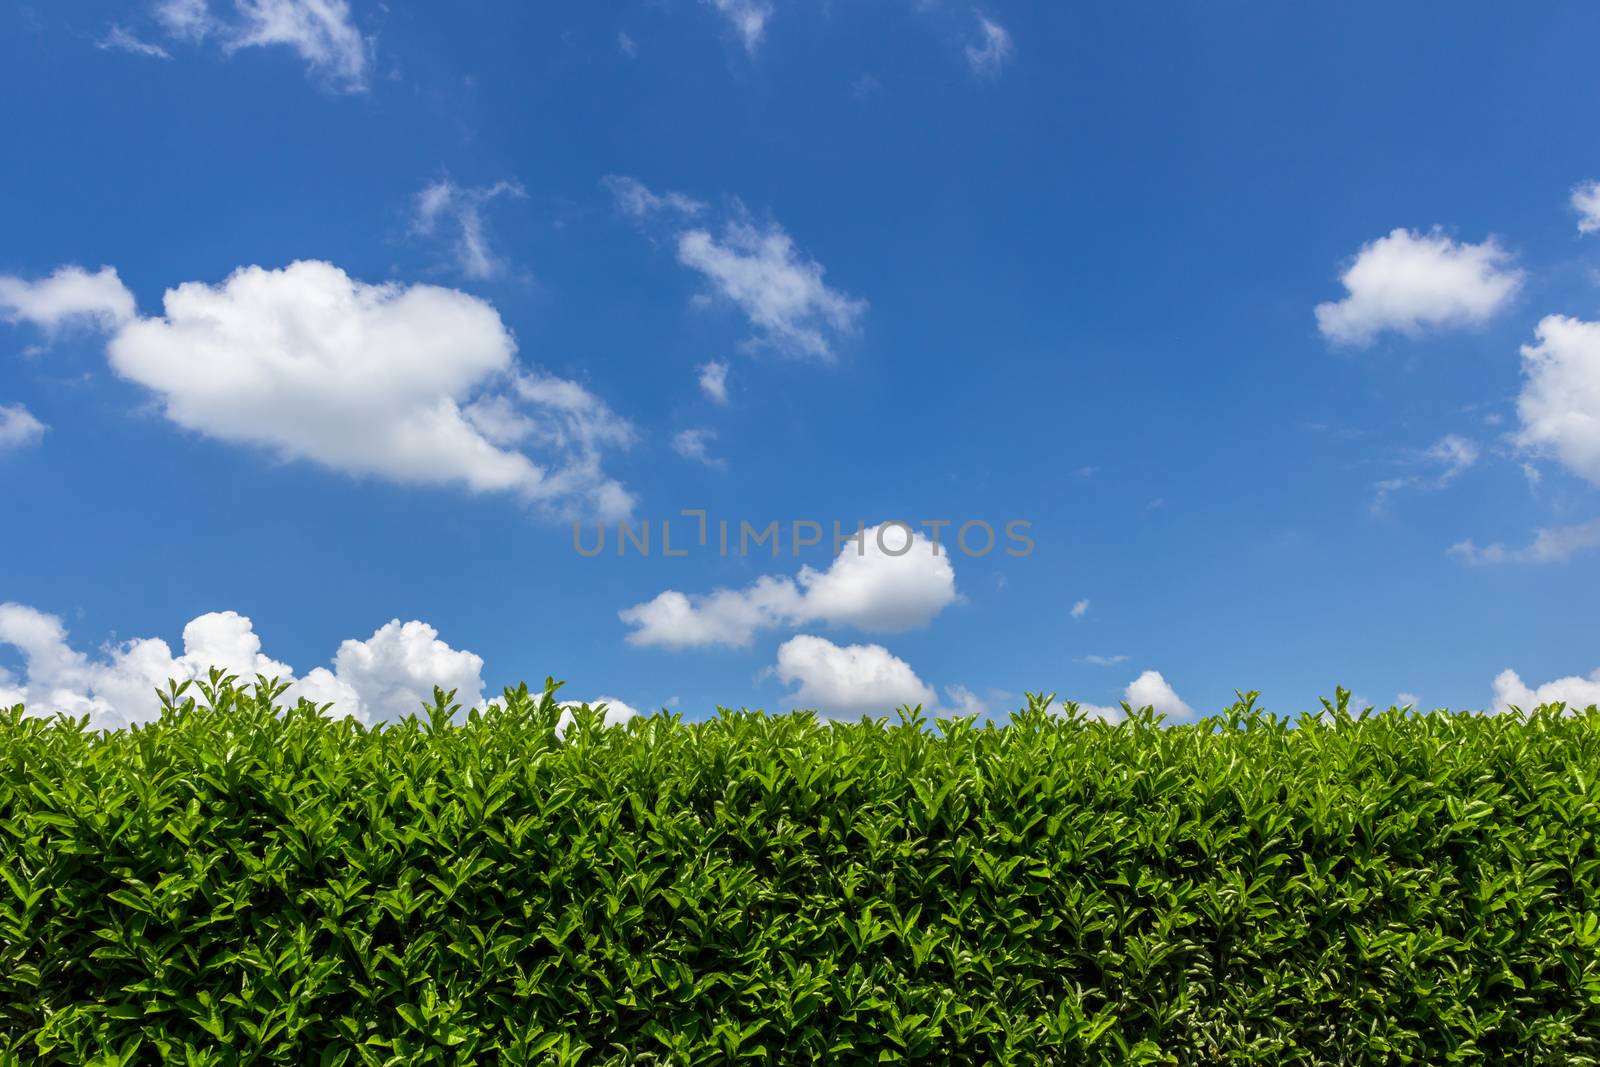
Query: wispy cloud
[
  {"x": 1553, "y": 544},
  {"x": 1445, "y": 461},
  {"x": 322, "y": 33},
  {"x": 756, "y": 267},
  {"x": 747, "y": 17},
  {"x": 988, "y": 55},
  {"x": 120, "y": 39},
  {"x": 695, "y": 444},
  {"x": 444, "y": 205}
]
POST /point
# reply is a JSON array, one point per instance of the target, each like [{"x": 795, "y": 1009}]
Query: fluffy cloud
[
  {"x": 1079, "y": 609},
  {"x": 18, "y": 427},
  {"x": 416, "y": 384},
  {"x": 1150, "y": 690},
  {"x": 1410, "y": 282},
  {"x": 70, "y": 296},
  {"x": 993, "y": 48},
  {"x": 444, "y": 205},
  {"x": 321, "y": 32},
  {"x": 615, "y": 713},
  {"x": 747, "y": 17},
  {"x": 387, "y": 676},
  {"x": 756, "y": 268},
  {"x": 877, "y": 584},
  {"x": 1553, "y": 544},
  {"x": 1574, "y": 692},
  {"x": 1586, "y": 202},
  {"x": 1560, "y": 400},
  {"x": 1447, "y": 459},
  {"x": 713, "y": 378},
  {"x": 848, "y": 681}
]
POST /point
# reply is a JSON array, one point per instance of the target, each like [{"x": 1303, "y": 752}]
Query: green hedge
[{"x": 243, "y": 884}]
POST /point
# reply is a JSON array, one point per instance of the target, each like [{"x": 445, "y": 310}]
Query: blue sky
[{"x": 397, "y": 292}]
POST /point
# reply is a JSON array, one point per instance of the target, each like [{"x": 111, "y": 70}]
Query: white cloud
[
  {"x": 1080, "y": 609},
  {"x": 1554, "y": 544},
  {"x": 1560, "y": 400},
  {"x": 188, "y": 20},
  {"x": 714, "y": 381},
  {"x": 693, "y": 444},
  {"x": 70, "y": 296},
  {"x": 634, "y": 199},
  {"x": 321, "y": 32},
  {"x": 1151, "y": 690},
  {"x": 961, "y": 702},
  {"x": 1410, "y": 282},
  {"x": 848, "y": 681},
  {"x": 756, "y": 268},
  {"x": 616, "y": 712},
  {"x": 1102, "y": 661},
  {"x": 446, "y": 205},
  {"x": 1407, "y": 700},
  {"x": 747, "y": 17},
  {"x": 879, "y": 587},
  {"x": 120, "y": 39},
  {"x": 779, "y": 289},
  {"x": 989, "y": 55},
  {"x": 626, "y": 45},
  {"x": 1450, "y": 457},
  {"x": 18, "y": 427},
  {"x": 1586, "y": 202},
  {"x": 1575, "y": 692},
  {"x": 387, "y": 676},
  {"x": 416, "y": 384},
  {"x": 394, "y": 671}
]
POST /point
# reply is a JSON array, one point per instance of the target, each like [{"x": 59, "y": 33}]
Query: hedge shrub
[{"x": 241, "y": 883}]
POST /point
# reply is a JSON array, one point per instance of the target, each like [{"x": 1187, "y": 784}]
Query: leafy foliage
[{"x": 245, "y": 883}]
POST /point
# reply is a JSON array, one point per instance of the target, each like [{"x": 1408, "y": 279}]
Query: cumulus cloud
[
  {"x": 757, "y": 268},
  {"x": 879, "y": 584},
  {"x": 615, "y": 712},
  {"x": 444, "y": 206},
  {"x": 1411, "y": 282},
  {"x": 713, "y": 378},
  {"x": 1560, "y": 400},
  {"x": 1586, "y": 202},
  {"x": 1574, "y": 692},
  {"x": 416, "y": 384},
  {"x": 1150, "y": 690},
  {"x": 1080, "y": 609},
  {"x": 988, "y": 55},
  {"x": 387, "y": 676},
  {"x": 1444, "y": 461},
  {"x": 848, "y": 681},
  {"x": 18, "y": 427},
  {"x": 694, "y": 444},
  {"x": 747, "y": 17},
  {"x": 70, "y": 296},
  {"x": 321, "y": 32},
  {"x": 1554, "y": 544}
]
